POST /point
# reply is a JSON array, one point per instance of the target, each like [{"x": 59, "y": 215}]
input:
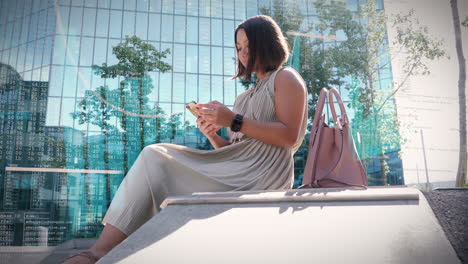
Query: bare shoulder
[{"x": 288, "y": 79}]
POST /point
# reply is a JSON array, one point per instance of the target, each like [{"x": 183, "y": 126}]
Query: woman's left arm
[{"x": 290, "y": 100}]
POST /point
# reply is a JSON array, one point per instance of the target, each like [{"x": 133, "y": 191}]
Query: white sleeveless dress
[{"x": 163, "y": 170}]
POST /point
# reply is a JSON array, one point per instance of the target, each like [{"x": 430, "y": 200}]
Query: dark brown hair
[{"x": 268, "y": 48}]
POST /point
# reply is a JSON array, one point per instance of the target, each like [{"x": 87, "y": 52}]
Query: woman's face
[{"x": 242, "y": 47}]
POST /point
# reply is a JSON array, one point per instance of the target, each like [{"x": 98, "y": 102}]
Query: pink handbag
[{"x": 332, "y": 159}]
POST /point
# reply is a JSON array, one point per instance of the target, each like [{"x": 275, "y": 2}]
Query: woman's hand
[
  {"x": 208, "y": 129},
  {"x": 216, "y": 113}
]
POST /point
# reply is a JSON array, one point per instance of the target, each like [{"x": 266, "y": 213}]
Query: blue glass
[
  {"x": 217, "y": 88},
  {"x": 28, "y": 63},
  {"x": 204, "y": 59},
  {"x": 204, "y": 88},
  {"x": 191, "y": 90},
  {"x": 89, "y": 21},
  {"x": 216, "y": 32},
  {"x": 128, "y": 28},
  {"x": 69, "y": 81},
  {"x": 56, "y": 81},
  {"x": 141, "y": 25},
  {"x": 130, "y": 4},
  {"x": 68, "y": 107},
  {"x": 38, "y": 53},
  {"x": 229, "y": 61},
  {"x": 111, "y": 58},
  {"x": 240, "y": 9},
  {"x": 168, "y": 6},
  {"x": 154, "y": 27},
  {"x": 102, "y": 22},
  {"x": 229, "y": 91},
  {"x": 84, "y": 81},
  {"x": 142, "y": 5},
  {"x": 117, "y": 4},
  {"x": 21, "y": 57},
  {"x": 53, "y": 111},
  {"x": 86, "y": 51},
  {"x": 115, "y": 29},
  {"x": 73, "y": 49},
  {"x": 179, "y": 58},
  {"x": 204, "y": 31},
  {"x": 178, "y": 93},
  {"x": 192, "y": 59},
  {"x": 167, "y": 29},
  {"x": 100, "y": 48},
  {"x": 205, "y": 8},
  {"x": 216, "y": 60},
  {"x": 217, "y": 8},
  {"x": 165, "y": 87},
  {"x": 76, "y": 15},
  {"x": 180, "y": 7},
  {"x": 179, "y": 29},
  {"x": 228, "y": 8},
  {"x": 155, "y": 5},
  {"x": 192, "y": 30},
  {"x": 192, "y": 7},
  {"x": 228, "y": 33}
]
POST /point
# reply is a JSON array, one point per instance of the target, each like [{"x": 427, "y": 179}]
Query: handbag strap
[{"x": 344, "y": 116}]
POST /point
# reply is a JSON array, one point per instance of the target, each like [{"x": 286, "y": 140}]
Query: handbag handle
[{"x": 344, "y": 116}]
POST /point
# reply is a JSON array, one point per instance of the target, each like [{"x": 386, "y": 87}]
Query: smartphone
[{"x": 192, "y": 108}]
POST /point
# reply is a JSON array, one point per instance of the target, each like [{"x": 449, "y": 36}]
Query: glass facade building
[{"x": 68, "y": 135}]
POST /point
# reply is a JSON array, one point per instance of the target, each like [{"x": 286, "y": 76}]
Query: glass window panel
[
  {"x": 228, "y": 33},
  {"x": 216, "y": 32},
  {"x": 251, "y": 8},
  {"x": 165, "y": 87},
  {"x": 115, "y": 24},
  {"x": 76, "y": 14},
  {"x": 84, "y": 81},
  {"x": 36, "y": 75},
  {"x": 204, "y": 89},
  {"x": 179, "y": 88},
  {"x": 45, "y": 74},
  {"x": 64, "y": 2},
  {"x": 51, "y": 23},
  {"x": 21, "y": 58},
  {"x": 42, "y": 25},
  {"x": 142, "y": 5},
  {"x": 192, "y": 30},
  {"x": 128, "y": 24},
  {"x": 90, "y": 3},
  {"x": 179, "y": 29},
  {"x": 56, "y": 81},
  {"x": 68, "y": 107},
  {"x": 168, "y": 6},
  {"x": 16, "y": 33},
  {"x": 205, "y": 8},
  {"x": 192, "y": 88},
  {"x": 153, "y": 96},
  {"x": 216, "y": 60},
  {"x": 168, "y": 58},
  {"x": 24, "y": 29},
  {"x": 111, "y": 58},
  {"x": 32, "y": 28},
  {"x": 179, "y": 58},
  {"x": 20, "y": 8},
  {"x": 104, "y": 3},
  {"x": 86, "y": 53},
  {"x": 217, "y": 9},
  {"x": 117, "y": 4},
  {"x": 229, "y": 61},
  {"x": 204, "y": 30},
  {"x": 14, "y": 57},
  {"x": 228, "y": 9},
  {"x": 204, "y": 59},
  {"x": 9, "y": 31},
  {"x": 77, "y": 2},
  {"x": 69, "y": 83},
  {"x": 129, "y": 4},
  {"x": 217, "y": 88},
  {"x": 100, "y": 49},
  {"x": 59, "y": 49},
  {"x": 142, "y": 25},
  {"x": 192, "y": 58},
  {"x": 47, "y": 51},
  {"x": 192, "y": 7},
  {"x": 229, "y": 92},
  {"x": 167, "y": 29},
  {"x": 73, "y": 48},
  {"x": 89, "y": 21},
  {"x": 102, "y": 23},
  {"x": 38, "y": 53},
  {"x": 154, "y": 27},
  {"x": 28, "y": 64},
  {"x": 240, "y": 9},
  {"x": 180, "y": 7},
  {"x": 53, "y": 111},
  {"x": 155, "y": 5}
]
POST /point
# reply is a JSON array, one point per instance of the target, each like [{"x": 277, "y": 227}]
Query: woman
[{"x": 267, "y": 126}]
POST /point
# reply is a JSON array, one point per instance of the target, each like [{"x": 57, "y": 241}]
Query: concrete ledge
[
  {"x": 378, "y": 225},
  {"x": 302, "y": 195}
]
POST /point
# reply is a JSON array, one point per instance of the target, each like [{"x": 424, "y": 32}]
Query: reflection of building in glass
[{"x": 73, "y": 168}]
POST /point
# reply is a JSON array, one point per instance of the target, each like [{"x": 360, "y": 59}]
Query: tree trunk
[
  {"x": 124, "y": 128},
  {"x": 105, "y": 131},
  {"x": 462, "y": 159}
]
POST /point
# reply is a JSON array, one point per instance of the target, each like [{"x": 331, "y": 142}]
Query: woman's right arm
[{"x": 209, "y": 131}]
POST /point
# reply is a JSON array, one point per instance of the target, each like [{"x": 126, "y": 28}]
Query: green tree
[
  {"x": 462, "y": 159},
  {"x": 136, "y": 58}
]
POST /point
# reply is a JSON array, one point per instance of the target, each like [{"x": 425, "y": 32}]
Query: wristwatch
[{"x": 237, "y": 123}]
